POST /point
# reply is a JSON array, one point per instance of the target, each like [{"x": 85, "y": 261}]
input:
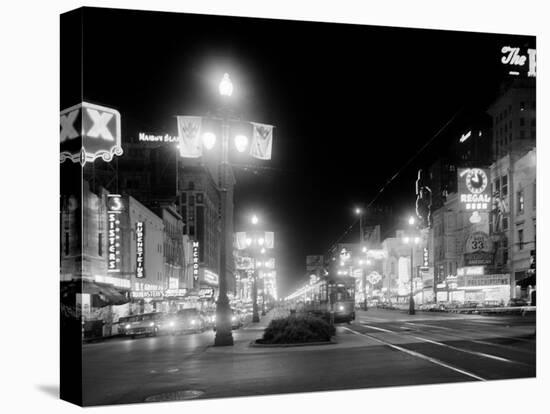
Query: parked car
[
  {"x": 514, "y": 302},
  {"x": 236, "y": 321},
  {"x": 492, "y": 303},
  {"x": 143, "y": 324}
]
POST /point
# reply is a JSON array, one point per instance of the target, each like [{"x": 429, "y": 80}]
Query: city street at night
[{"x": 381, "y": 348}]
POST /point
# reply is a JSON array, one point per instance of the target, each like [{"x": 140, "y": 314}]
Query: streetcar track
[
  {"x": 419, "y": 355},
  {"x": 464, "y": 350}
]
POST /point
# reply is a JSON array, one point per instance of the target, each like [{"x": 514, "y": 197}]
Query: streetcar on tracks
[{"x": 330, "y": 297}]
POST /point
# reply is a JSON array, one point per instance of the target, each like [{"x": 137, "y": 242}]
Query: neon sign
[
  {"x": 513, "y": 58},
  {"x": 195, "y": 260},
  {"x": 89, "y": 131},
  {"x": 473, "y": 189},
  {"x": 114, "y": 208},
  {"x": 143, "y": 137},
  {"x": 140, "y": 250}
]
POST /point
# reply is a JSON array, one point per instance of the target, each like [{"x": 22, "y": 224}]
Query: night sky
[{"x": 350, "y": 104}]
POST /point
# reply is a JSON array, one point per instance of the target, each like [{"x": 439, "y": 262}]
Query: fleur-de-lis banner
[
  {"x": 262, "y": 138},
  {"x": 189, "y": 134}
]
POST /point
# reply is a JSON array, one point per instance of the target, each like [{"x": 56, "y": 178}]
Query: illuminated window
[
  {"x": 522, "y": 106},
  {"x": 520, "y": 202},
  {"x": 504, "y": 188}
]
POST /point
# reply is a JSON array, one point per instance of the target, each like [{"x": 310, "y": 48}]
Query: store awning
[{"x": 103, "y": 294}]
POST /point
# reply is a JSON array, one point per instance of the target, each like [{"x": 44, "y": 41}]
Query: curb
[{"x": 253, "y": 344}]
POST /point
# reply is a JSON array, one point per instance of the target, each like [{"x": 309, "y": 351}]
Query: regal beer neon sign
[
  {"x": 89, "y": 131},
  {"x": 114, "y": 208}
]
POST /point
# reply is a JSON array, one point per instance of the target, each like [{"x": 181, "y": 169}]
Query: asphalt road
[{"x": 381, "y": 348}]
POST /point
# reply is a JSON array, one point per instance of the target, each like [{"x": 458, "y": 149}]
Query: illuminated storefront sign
[
  {"x": 206, "y": 293},
  {"x": 140, "y": 249},
  {"x": 519, "y": 63},
  {"x": 470, "y": 271},
  {"x": 425, "y": 258},
  {"x": 114, "y": 208},
  {"x": 478, "y": 249},
  {"x": 142, "y": 294},
  {"x": 88, "y": 132},
  {"x": 210, "y": 277},
  {"x": 473, "y": 189},
  {"x": 144, "y": 137},
  {"x": 195, "y": 260},
  {"x": 175, "y": 292}
]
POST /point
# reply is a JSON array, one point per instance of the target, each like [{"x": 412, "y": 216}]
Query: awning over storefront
[{"x": 102, "y": 294}]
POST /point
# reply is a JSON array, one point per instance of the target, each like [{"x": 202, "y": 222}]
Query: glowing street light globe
[
  {"x": 254, "y": 219},
  {"x": 411, "y": 220},
  {"x": 209, "y": 140},
  {"x": 226, "y": 86},
  {"x": 241, "y": 143}
]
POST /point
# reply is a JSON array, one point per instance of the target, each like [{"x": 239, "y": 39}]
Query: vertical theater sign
[
  {"x": 114, "y": 209},
  {"x": 88, "y": 132},
  {"x": 140, "y": 250}
]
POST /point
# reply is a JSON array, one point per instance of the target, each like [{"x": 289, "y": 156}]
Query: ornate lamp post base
[
  {"x": 224, "y": 336},
  {"x": 411, "y": 306}
]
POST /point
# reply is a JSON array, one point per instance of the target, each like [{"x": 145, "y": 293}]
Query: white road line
[
  {"x": 429, "y": 326},
  {"x": 377, "y": 329},
  {"x": 419, "y": 355},
  {"x": 467, "y": 351},
  {"x": 480, "y": 354}
]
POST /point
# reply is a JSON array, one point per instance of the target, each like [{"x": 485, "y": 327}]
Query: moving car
[
  {"x": 185, "y": 320},
  {"x": 236, "y": 321},
  {"x": 514, "y": 302},
  {"x": 142, "y": 324}
]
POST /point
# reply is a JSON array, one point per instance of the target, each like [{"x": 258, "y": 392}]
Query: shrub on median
[{"x": 297, "y": 329}]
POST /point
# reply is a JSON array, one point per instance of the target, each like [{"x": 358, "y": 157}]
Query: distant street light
[
  {"x": 209, "y": 140},
  {"x": 241, "y": 143},
  {"x": 412, "y": 241}
]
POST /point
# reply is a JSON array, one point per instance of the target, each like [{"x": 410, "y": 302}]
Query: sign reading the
[
  {"x": 89, "y": 131},
  {"x": 473, "y": 189},
  {"x": 519, "y": 63},
  {"x": 140, "y": 249},
  {"x": 114, "y": 208}
]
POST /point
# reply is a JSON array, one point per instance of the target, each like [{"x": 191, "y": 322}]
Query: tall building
[{"x": 514, "y": 118}]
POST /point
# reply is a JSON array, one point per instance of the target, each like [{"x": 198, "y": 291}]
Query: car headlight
[
  {"x": 172, "y": 323},
  {"x": 127, "y": 326},
  {"x": 341, "y": 308},
  {"x": 192, "y": 321},
  {"x": 233, "y": 318},
  {"x": 152, "y": 324}
]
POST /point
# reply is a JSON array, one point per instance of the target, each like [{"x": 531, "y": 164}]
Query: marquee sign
[
  {"x": 140, "y": 249},
  {"x": 114, "y": 208},
  {"x": 519, "y": 62},
  {"x": 89, "y": 131},
  {"x": 473, "y": 189},
  {"x": 195, "y": 260}
]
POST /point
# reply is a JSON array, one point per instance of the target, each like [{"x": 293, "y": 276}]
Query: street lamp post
[
  {"x": 224, "y": 336},
  {"x": 413, "y": 241},
  {"x": 359, "y": 212}
]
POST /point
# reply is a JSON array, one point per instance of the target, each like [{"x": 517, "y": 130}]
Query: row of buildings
[
  {"x": 474, "y": 235},
  {"x": 142, "y": 233}
]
